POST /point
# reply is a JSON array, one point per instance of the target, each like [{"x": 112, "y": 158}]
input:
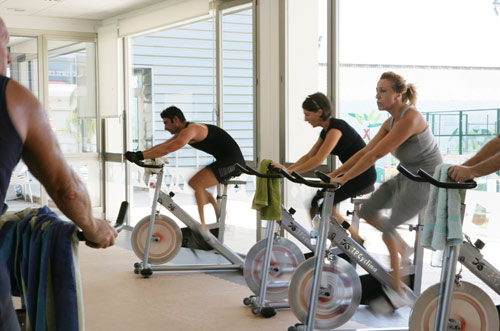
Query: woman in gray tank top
[{"x": 407, "y": 136}]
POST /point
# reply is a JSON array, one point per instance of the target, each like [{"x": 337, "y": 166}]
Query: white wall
[
  {"x": 268, "y": 119},
  {"x": 302, "y": 74},
  {"x": 110, "y": 71},
  {"x": 48, "y": 23}
]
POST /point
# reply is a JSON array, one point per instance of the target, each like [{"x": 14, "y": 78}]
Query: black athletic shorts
[{"x": 225, "y": 170}]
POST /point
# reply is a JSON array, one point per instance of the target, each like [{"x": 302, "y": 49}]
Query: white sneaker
[
  {"x": 380, "y": 306},
  {"x": 398, "y": 300},
  {"x": 204, "y": 230},
  {"x": 405, "y": 256}
]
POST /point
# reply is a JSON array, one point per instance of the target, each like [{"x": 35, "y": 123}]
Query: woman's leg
[{"x": 392, "y": 245}]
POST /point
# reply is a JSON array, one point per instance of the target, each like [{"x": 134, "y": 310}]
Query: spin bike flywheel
[
  {"x": 471, "y": 309},
  {"x": 339, "y": 295},
  {"x": 165, "y": 242},
  {"x": 285, "y": 258}
]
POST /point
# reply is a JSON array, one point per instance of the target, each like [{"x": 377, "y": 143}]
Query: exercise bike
[
  {"x": 271, "y": 262},
  {"x": 329, "y": 298},
  {"x": 454, "y": 304},
  {"x": 157, "y": 238}
]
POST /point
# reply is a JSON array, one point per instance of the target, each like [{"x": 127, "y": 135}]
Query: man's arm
[
  {"x": 42, "y": 154},
  {"x": 485, "y": 162},
  {"x": 175, "y": 143},
  {"x": 492, "y": 147}
]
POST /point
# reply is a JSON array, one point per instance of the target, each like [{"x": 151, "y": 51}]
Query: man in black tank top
[
  {"x": 205, "y": 137},
  {"x": 25, "y": 132}
]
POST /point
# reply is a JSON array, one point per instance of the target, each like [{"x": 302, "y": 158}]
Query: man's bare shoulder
[
  {"x": 195, "y": 131},
  {"x": 23, "y": 107}
]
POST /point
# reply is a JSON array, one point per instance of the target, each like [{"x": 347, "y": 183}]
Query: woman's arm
[
  {"x": 356, "y": 157},
  {"x": 411, "y": 124},
  {"x": 318, "y": 153},
  {"x": 303, "y": 159}
]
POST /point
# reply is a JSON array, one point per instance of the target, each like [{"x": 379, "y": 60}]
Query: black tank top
[
  {"x": 219, "y": 144},
  {"x": 350, "y": 142},
  {"x": 11, "y": 144}
]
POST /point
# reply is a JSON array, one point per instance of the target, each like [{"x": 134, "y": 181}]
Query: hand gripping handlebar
[
  {"x": 424, "y": 176},
  {"x": 120, "y": 221}
]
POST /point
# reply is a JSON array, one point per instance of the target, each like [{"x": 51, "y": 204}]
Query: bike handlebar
[
  {"x": 312, "y": 183},
  {"x": 120, "y": 221},
  {"x": 424, "y": 176},
  {"x": 249, "y": 171},
  {"x": 294, "y": 177},
  {"x": 144, "y": 165},
  {"x": 285, "y": 174}
]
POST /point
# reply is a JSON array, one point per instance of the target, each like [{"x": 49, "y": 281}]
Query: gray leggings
[{"x": 403, "y": 196}]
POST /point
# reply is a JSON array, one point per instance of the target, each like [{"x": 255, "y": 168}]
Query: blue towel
[
  {"x": 443, "y": 223},
  {"x": 267, "y": 196},
  {"x": 44, "y": 268}
]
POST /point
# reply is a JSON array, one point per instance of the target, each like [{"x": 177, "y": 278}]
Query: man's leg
[{"x": 202, "y": 180}]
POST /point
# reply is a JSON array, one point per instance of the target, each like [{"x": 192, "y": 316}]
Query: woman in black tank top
[{"x": 337, "y": 138}]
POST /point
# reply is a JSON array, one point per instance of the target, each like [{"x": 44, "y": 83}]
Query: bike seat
[
  {"x": 367, "y": 190},
  {"x": 233, "y": 182}
]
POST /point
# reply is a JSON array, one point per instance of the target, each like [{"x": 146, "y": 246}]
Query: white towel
[{"x": 443, "y": 223}]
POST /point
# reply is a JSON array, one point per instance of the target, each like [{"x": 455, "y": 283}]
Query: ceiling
[{"x": 76, "y": 9}]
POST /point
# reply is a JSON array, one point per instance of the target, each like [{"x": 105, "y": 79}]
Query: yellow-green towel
[{"x": 267, "y": 197}]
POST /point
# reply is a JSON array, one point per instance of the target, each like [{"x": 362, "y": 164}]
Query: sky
[{"x": 424, "y": 32}]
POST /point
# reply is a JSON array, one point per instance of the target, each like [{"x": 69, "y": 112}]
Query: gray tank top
[{"x": 418, "y": 151}]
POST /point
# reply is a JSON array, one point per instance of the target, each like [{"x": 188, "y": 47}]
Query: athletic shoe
[
  {"x": 398, "y": 300},
  {"x": 405, "y": 256},
  {"x": 381, "y": 306}
]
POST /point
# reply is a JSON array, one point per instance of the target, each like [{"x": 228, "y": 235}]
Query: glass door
[
  {"x": 176, "y": 66},
  {"x": 208, "y": 73},
  {"x": 72, "y": 111},
  {"x": 24, "y": 69}
]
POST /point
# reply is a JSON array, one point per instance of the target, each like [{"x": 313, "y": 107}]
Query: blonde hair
[{"x": 399, "y": 85}]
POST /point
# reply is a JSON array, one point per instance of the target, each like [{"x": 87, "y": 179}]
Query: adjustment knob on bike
[
  {"x": 479, "y": 244},
  {"x": 291, "y": 211},
  {"x": 345, "y": 225}
]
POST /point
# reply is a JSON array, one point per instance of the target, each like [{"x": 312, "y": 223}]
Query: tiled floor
[{"x": 364, "y": 315}]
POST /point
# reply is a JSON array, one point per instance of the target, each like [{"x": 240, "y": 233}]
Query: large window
[
  {"x": 24, "y": 69},
  {"x": 237, "y": 79},
  {"x": 72, "y": 108},
  {"x": 72, "y": 95},
  {"x": 449, "y": 50},
  {"x": 24, "y": 65},
  {"x": 207, "y": 71},
  {"x": 455, "y": 66}
]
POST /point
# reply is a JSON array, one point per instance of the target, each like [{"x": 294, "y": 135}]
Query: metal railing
[{"x": 472, "y": 128}]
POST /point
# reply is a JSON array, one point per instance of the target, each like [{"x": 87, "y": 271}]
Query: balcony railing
[{"x": 461, "y": 132}]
